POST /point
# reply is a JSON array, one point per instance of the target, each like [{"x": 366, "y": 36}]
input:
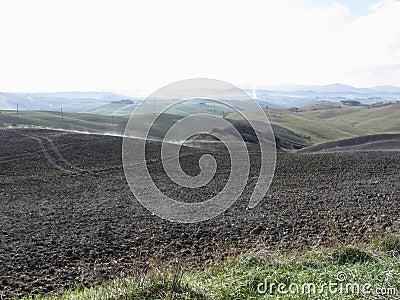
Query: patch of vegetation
[
  {"x": 355, "y": 272},
  {"x": 390, "y": 243},
  {"x": 351, "y": 255}
]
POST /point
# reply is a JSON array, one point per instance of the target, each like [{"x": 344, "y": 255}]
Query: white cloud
[
  {"x": 341, "y": 9},
  {"x": 103, "y": 45},
  {"x": 376, "y": 6}
]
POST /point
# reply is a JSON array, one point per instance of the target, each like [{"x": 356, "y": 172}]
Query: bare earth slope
[{"x": 67, "y": 216}]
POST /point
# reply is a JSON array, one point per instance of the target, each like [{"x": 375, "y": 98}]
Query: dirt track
[{"x": 67, "y": 216}]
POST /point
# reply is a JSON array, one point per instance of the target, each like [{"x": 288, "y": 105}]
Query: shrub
[{"x": 351, "y": 255}]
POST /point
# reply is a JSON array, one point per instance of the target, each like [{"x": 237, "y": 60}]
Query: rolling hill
[
  {"x": 311, "y": 124},
  {"x": 78, "y": 102},
  {"x": 334, "y": 123},
  {"x": 95, "y": 123},
  {"x": 283, "y": 96}
]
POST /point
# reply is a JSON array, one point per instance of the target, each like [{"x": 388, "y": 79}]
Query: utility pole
[
  {"x": 214, "y": 110},
  {"x": 341, "y": 119},
  {"x": 62, "y": 115},
  {"x": 154, "y": 106},
  {"x": 341, "y": 111}
]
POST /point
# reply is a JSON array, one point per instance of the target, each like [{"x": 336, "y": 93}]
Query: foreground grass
[{"x": 345, "y": 272}]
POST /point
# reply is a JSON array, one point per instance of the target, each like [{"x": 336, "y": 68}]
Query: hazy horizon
[{"x": 138, "y": 92}]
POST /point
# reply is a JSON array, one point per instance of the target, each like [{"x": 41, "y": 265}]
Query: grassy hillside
[
  {"x": 369, "y": 119},
  {"x": 183, "y": 108},
  {"x": 315, "y": 130},
  {"x": 118, "y": 109},
  {"x": 320, "y": 105},
  {"x": 330, "y": 123},
  {"x": 313, "y": 124},
  {"x": 116, "y": 124},
  {"x": 70, "y": 121},
  {"x": 344, "y": 272}
]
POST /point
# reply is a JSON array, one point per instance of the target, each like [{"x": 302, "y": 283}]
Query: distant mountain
[
  {"x": 341, "y": 88},
  {"x": 333, "y": 88},
  {"x": 81, "y": 95},
  {"x": 298, "y": 95},
  {"x": 281, "y": 96},
  {"x": 387, "y": 89},
  {"x": 70, "y": 101},
  {"x": 336, "y": 87}
]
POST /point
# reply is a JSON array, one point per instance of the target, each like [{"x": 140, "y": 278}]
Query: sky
[{"x": 131, "y": 46}]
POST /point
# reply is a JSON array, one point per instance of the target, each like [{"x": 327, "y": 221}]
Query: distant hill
[
  {"x": 281, "y": 96},
  {"x": 104, "y": 103},
  {"x": 77, "y": 102},
  {"x": 319, "y": 114},
  {"x": 286, "y": 96},
  {"x": 322, "y": 125},
  {"x": 319, "y": 105},
  {"x": 314, "y": 123},
  {"x": 387, "y": 89},
  {"x": 334, "y": 88},
  {"x": 95, "y": 123}
]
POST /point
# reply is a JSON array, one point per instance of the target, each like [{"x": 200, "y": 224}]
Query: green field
[
  {"x": 369, "y": 271},
  {"x": 322, "y": 122},
  {"x": 69, "y": 121},
  {"x": 183, "y": 108},
  {"x": 97, "y": 123},
  {"x": 312, "y": 124}
]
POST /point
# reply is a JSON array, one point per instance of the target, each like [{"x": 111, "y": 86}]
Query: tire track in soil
[
  {"x": 76, "y": 229},
  {"x": 54, "y": 160},
  {"x": 68, "y": 168}
]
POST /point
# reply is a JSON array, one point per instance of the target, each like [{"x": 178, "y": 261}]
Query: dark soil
[{"x": 68, "y": 217}]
